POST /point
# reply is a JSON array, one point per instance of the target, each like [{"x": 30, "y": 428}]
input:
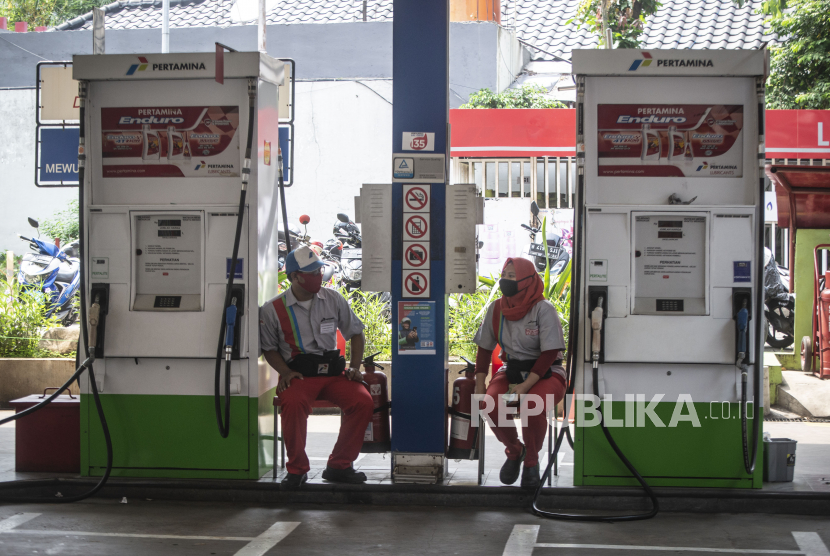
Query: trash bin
[
  {"x": 48, "y": 440},
  {"x": 779, "y": 459}
]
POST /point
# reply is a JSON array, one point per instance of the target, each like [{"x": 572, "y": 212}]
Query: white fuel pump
[
  {"x": 667, "y": 269},
  {"x": 179, "y": 242}
]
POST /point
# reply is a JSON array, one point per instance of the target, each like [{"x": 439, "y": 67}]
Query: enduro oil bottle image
[
  {"x": 186, "y": 147},
  {"x": 677, "y": 143},
  {"x": 651, "y": 144},
  {"x": 152, "y": 143},
  {"x": 175, "y": 144}
]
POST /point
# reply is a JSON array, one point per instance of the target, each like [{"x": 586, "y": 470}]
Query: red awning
[
  {"x": 491, "y": 133},
  {"x": 804, "y": 190},
  {"x": 513, "y": 133}
]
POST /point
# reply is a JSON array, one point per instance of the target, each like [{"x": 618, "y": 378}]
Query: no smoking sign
[
  {"x": 416, "y": 255},
  {"x": 416, "y": 198}
]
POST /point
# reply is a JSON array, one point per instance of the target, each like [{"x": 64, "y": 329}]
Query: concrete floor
[
  {"x": 812, "y": 470},
  {"x": 106, "y": 527}
]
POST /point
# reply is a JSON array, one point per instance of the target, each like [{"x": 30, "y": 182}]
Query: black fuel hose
[
  {"x": 90, "y": 356},
  {"x": 573, "y": 343},
  {"x": 224, "y": 423}
]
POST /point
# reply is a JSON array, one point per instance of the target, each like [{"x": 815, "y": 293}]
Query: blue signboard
[
  {"x": 286, "y": 142},
  {"x": 59, "y": 155}
]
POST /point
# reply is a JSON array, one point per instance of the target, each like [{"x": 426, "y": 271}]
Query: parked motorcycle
[
  {"x": 351, "y": 252},
  {"x": 554, "y": 243},
  {"x": 779, "y": 304},
  {"x": 54, "y": 274},
  {"x": 347, "y": 234}
]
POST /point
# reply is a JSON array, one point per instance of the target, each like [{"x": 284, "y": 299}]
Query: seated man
[{"x": 298, "y": 337}]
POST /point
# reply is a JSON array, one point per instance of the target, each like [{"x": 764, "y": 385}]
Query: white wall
[
  {"x": 343, "y": 140},
  {"x": 19, "y": 197}
]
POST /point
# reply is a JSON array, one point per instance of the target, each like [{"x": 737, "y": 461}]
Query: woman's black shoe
[
  {"x": 510, "y": 470},
  {"x": 530, "y": 477}
]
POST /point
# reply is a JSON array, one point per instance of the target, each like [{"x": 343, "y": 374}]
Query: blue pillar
[{"x": 421, "y": 104}]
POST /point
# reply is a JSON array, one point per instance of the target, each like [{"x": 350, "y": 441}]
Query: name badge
[
  {"x": 327, "y": 327},
  {"x": 531, "y": 331}
]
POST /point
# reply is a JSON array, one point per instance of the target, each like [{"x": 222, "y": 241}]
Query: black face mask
[{"x": 509, "y": 288}]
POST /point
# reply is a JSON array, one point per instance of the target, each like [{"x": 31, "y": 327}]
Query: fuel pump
[
  {"x": 664, "y": 349},
  {"x": 179, "y": 211}
]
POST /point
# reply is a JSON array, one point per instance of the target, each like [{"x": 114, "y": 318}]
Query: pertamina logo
[
  {"x": 638, "y": 63},
  {"x": 140, "y": 67},
  {"x": 704, "y": 166},
  {"x": 201, "y": 164},
  {"x": 179, "y": 66},
  {"x": 663, "y": 63}
]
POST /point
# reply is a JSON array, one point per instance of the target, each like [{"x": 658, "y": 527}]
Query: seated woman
[{"x": 527, "y": 328}]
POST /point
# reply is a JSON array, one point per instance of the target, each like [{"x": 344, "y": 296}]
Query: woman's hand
[
  {"x": 524, "y": 387},
  {"x": 285, "y": 380}
]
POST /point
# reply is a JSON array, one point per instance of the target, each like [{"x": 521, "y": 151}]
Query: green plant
[
  {"x": 527, "y": 96},
  {"x": 800, "y": 64},
  {"x": 46, "y": 12},
  {"x": 63, "y": 224},
  {"x": 22, "y": 322},
  {"x": 625, "y": 18},
  {"x": 372, "y": 310},
  {"x": 15, "y": 263},
  {"x": 465, "y": 314}
]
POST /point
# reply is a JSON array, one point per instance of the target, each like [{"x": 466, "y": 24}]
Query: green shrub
[
  {"x": 374, "y": 313},
  {"x": 63, "y": 224},
  {"x": 22, "y": 322}
]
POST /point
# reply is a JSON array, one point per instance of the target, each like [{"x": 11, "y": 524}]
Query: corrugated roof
[{"x": 542, "y": 23}]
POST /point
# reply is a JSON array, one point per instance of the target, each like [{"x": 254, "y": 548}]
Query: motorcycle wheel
[
  {"x": 778, "y": 339},
  {"x": 783, "y": 315}
]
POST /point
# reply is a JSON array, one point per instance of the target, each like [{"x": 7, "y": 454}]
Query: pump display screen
[
  {"x": 168, "y": 256},
  {"x": 670, "y": 264}
]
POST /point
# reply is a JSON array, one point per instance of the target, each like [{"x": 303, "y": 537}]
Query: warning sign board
[
  {"x": 416, "y": 255},
  {"x": 416, "y": 198},
  {"x": 416, "y": 227},
  {"x": 415, "y": 283}
]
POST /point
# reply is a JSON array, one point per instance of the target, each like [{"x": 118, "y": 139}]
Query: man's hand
[
  {"x": 354, "y": 374},
  {"x": 481, "y": 388},
  {"x": 413, "y": 336},
  {"x": 285, "y": 380}
]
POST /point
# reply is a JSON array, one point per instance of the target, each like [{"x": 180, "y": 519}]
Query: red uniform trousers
[
  {"x": 350, "y": 396},
  {"x": 534, "y": 433}
]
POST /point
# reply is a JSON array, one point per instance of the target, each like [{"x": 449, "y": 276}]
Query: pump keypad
[{"x": 168, "y": 301}]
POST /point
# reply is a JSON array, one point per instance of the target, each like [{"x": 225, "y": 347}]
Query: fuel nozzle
[
  {"x": 94, "y": 318},
  {"x": 742, "y": 326},
  {"x": 230, "y": 323},
  {"x": 596, "y": 338}
]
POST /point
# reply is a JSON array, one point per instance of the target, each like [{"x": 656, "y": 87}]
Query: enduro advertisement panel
[
  {"x": 670, "y": 140},
  {"x": 170, "y": 142}
]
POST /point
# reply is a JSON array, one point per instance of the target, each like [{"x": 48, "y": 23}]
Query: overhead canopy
[{"x": 803, "y": 191}]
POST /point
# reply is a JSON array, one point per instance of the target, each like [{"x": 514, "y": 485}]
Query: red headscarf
[{"x": 531, "y": 291}]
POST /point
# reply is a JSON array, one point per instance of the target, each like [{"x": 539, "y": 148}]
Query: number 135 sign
[{"x": 417, "y": 141}]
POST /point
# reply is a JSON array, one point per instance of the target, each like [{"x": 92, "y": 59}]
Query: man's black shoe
[
  {"x": 292, "y": 481},
  {"x": 344, "y": 476},
  {"x": 510, "y": 470},
  {"x": 530, "y": 477}
]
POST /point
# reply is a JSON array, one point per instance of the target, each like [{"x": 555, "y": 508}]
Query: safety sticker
[
  {"x": 369, "y": 436},
  {"x": 460, "y": 428}
]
